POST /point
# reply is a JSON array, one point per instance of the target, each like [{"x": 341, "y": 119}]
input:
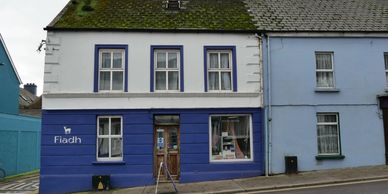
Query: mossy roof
[{"x": 149, "y": 15}]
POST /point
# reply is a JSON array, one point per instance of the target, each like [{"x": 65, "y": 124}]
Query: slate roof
[
  {"x": 150, "y": 15},
  {"x": 320, "y": 15}
]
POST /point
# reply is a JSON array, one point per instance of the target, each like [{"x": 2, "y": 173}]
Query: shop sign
[{"x": 67, "y": 138}]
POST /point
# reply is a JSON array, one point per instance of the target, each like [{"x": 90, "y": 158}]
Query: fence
[{"x": 19, "y": 143}]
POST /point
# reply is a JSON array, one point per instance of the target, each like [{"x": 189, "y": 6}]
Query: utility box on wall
[
  {"x": 291, "y": 164},
  {"x": 101, "y": 182}
]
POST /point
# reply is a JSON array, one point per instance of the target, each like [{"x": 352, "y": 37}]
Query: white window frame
[
  {"x": 111, "y": 70},
  {"x": 250, "y": 139},
  {"x": 219, "y": 70},
  {"x": 167, "y": 69},
  {"x": 109, "y": 136},
  {"x": 338, "y": 133},
  {"x": 386, "y": 69},
  {"x": 325, "y": 70}
]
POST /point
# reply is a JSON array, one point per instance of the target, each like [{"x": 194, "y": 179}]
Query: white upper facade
[{"x": 72, "y": 77}]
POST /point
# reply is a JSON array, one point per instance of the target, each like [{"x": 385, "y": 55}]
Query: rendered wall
[
  {"x": 359, "y": 76},
  {"x": 70, "y": 59},
  {"x": 9, "y": 87},
  {"x": 19, "y": 143},
  {"x": 74, "y": 164}
]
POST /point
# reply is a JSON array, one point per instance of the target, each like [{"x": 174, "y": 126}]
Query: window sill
[
  {"x": 327, "y": 90},
  {"x": 330, "y": 157},
  {"x": 108, "y": 163}
]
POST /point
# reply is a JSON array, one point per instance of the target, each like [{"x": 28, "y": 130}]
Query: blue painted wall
[
  {"x": 19, "y": 143},
  {"x": 9, "y": 87},
  {"x": 359, "y": 76},
  {"x": 73, "y": 165}
]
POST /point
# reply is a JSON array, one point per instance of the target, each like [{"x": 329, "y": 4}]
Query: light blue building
[
  {"x": 324, "y": 69},
  {"x": 19, "y": 135}
]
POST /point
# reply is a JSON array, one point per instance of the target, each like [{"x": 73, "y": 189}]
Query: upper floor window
[
  {"x": 220, "y": 68},
  {"x": 386, "y": 67},
  {"x": 324, "y": 70},
  {"x": 166, "y": 68},
  {"x": 111, "y": 74},
  {"x": 109, "y": 138}
]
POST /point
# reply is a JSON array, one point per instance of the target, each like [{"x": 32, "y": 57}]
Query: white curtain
[
  {"x": 224, "y": 60},
  {"x": 173, "y": 79},
  {"x": 160, "y": 80},
  {"x": 213, "y": 81},
  {"x": 104, "y": 80},
  {"x": 328, "y": 134},
  {"x": 324, "y": 68},
  {"x": 225, "y": 81},
  {"x": 213, "y": 60}
]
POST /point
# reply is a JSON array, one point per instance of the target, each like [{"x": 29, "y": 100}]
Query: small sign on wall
[{"x": 67, "y": 138}]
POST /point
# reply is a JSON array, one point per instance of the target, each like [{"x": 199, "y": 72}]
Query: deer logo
[{"x": 67, "y": 130}]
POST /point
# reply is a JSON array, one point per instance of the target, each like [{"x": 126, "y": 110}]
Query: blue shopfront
[{"x": 128, "y": 145}]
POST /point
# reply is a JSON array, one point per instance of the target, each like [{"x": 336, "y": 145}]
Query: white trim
[
  {"x": 111, "y": 69},
  {"x": 331, "y": 53},
  {"x": 220, "y": 70},
  {"x": 250, "y": 140},
  {"x": 167, "y": 69},
  {"x": 110, "y": 136},
  {"x": 10, "y": 59},
  {"x": 326, "y": 124}
]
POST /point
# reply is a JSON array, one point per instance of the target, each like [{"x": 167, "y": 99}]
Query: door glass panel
[
  {"x": 166, "y": 120},
  {"x": 173, "y": 139},
  {"x": 160, "y": 139}
]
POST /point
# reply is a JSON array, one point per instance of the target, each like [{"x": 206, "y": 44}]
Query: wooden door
[{"x": 166, "y": 149}]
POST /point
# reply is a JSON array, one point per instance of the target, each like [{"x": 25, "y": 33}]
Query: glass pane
[
  {"x": 326, "y": 118},
  {"x": 386, "y": 61},
  {"x": 325, "y": 79},
  {"x": 324, "y": 61},
  {"x": 160, "y": 60},
  {"x": 173, "y": 80},
  {"x": 116, "y": 126},
  {"x": 173, "y": 138},
  {"x": 103, "y": 147},
  {"x": 230, "y": 137},
  {"x": 105, "y": 60},
  {"x": 104, "y": 80},
  {"x": 117, "y": 60},
  {"x": 328, "y": 139},
  {"x": 116, "y": 148},
  {"x": 172, "y": 60},
  {"x": 386, "y": 76},
  {"x": 214, "y": 81},
  {"x": 166, "y": 120},
  {"x": 103, "y": 128},
  {"x": 226, "y": 81},
  {"x": 213, "y": 59},
  {"x": 117, "y": 80},
  {"x": 160, "y": 80},
  {"x": 225, "y": 60},
  {"x": 160, "y": 140}
]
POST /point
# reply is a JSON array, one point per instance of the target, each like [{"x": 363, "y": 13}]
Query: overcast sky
[{"x": 21, "y": 25}]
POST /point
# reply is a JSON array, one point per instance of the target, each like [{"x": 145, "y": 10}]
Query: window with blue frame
[
  {"x": 220, "y": 68},
  {"x": 111, "y": 68},
  {"x": 166, "y": 68}
]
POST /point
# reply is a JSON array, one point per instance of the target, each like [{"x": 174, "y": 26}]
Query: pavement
[
  {"x": 263, "y": 183},
  {"x": 21, "y": 185}
]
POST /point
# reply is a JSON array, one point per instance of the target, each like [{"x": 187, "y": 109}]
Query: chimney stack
[{"x": 31, "y": 87}]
